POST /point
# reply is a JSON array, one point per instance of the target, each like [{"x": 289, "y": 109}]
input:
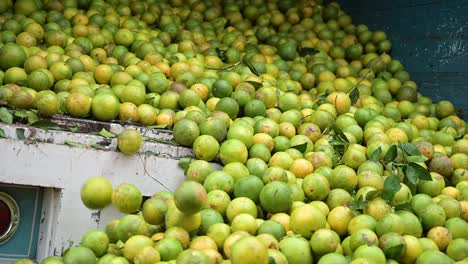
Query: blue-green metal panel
[
  {"x": 24, "y": 242},
  {"x": 429, "y": 37}
]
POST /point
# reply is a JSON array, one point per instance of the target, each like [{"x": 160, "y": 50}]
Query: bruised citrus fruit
[
  {"x": 198, "y": 170},
  {"x": 178, "y": 233},
  {"x": 190, "y": 197},
  {"x": 441, "y": 236},
  {"x": 129, "y": 141},
  {"x": 78, "y": 104},
  {"x": 147, "y": 114},
  {"x": 205, "y": 147},
  {"x": 316, "y": 186},
  {"x": 249, "y": 250},
  {"x": 154, "y": 210},
  {"x": 147, "y": 255},
  {"x": 457, "y": 249},
  {"x": 135, "y": 244},
  {"x": 128, "y": 112},
  {"x": 127, "y": 198},
  {"x": 193, "y": 256},
  {"x": 324, "y": 241}
]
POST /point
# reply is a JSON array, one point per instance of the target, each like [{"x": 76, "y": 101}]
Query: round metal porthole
[{"x": 9, "y": 217}]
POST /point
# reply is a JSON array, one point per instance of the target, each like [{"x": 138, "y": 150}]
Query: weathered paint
[
  {"x": 429, "y": 37},
  {"x": 43, "y": 159}
]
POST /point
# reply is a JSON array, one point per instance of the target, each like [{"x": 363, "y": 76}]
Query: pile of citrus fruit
[{"x": 329, "y": 152}]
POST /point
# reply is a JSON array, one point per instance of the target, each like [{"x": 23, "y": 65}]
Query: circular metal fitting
[{"x": 9, "y": 217}]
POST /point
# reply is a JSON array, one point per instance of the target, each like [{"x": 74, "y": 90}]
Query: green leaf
[
  {"x": 21, "y": 114},
  {"x": 74, "y": 129},
  {"x": 271, "y": 260},
  {"x": 99, "y": 146},
  {"x": 278, "y": 94},
  {"x": 421, "y": 172},
  {"x": 335, "y": 158},
  {"x": 336, "y": 143},
  {"x": 221, "y": 54},
  {"x": 410, "y": 149},
  {"x": 321, "y": 100},
  {"x": 6, "y": 116},
  {"x": 410, "y": 185},
  {"x": 359, "y": 205},
  {"x": 371, "y": 195},
  {"x": 411, "y": 174},
  {"x": 184, "y": 163},
  {"x": 404, "y": 206},
  {"x": 75, "y": 144},
  {"x": 255, "y": 84},
  {"x": 354, "y": 95},
  {"x": 150, "y": 96},
  {"x": 20, "y": 133},
  {"x": 395, "y": 252},
  {"x": 161, "y": 126},
  {"x": 376, "y": 154},
  {"x": 32, "y": 117},
  {"x": 391, "y": 186},
  {"x": 308, "y": 51},
  {"x": 339, "y": 149},
  {"x": 416, "y": 159},
  {"x": 341, "y": 136},
  {"x": 251, "y": 67},
  {"x": 106, "y": 133},
  {"x": 301, "y": 147},
  {"x": 391, "y": 154},
  {"x": 120, "y": 244},
  {"x": 2, "y": 133},
  {"x": 45, "y": 124}
]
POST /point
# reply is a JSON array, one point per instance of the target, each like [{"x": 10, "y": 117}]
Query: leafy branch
[
  {"x": 407, "y": 168},
  {"x": 340, "y": 144},
  {"x": 354, "y": 91}
]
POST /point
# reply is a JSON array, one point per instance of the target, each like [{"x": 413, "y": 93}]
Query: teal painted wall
[
  {"x": 429, "y": 37},
  {"x": 24, "y": 242}
]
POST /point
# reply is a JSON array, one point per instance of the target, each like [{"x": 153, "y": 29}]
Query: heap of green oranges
[{"x": 268, "y": 89}]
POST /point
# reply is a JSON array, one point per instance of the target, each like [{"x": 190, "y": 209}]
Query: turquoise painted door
[{"x": 23, "y": 244}]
